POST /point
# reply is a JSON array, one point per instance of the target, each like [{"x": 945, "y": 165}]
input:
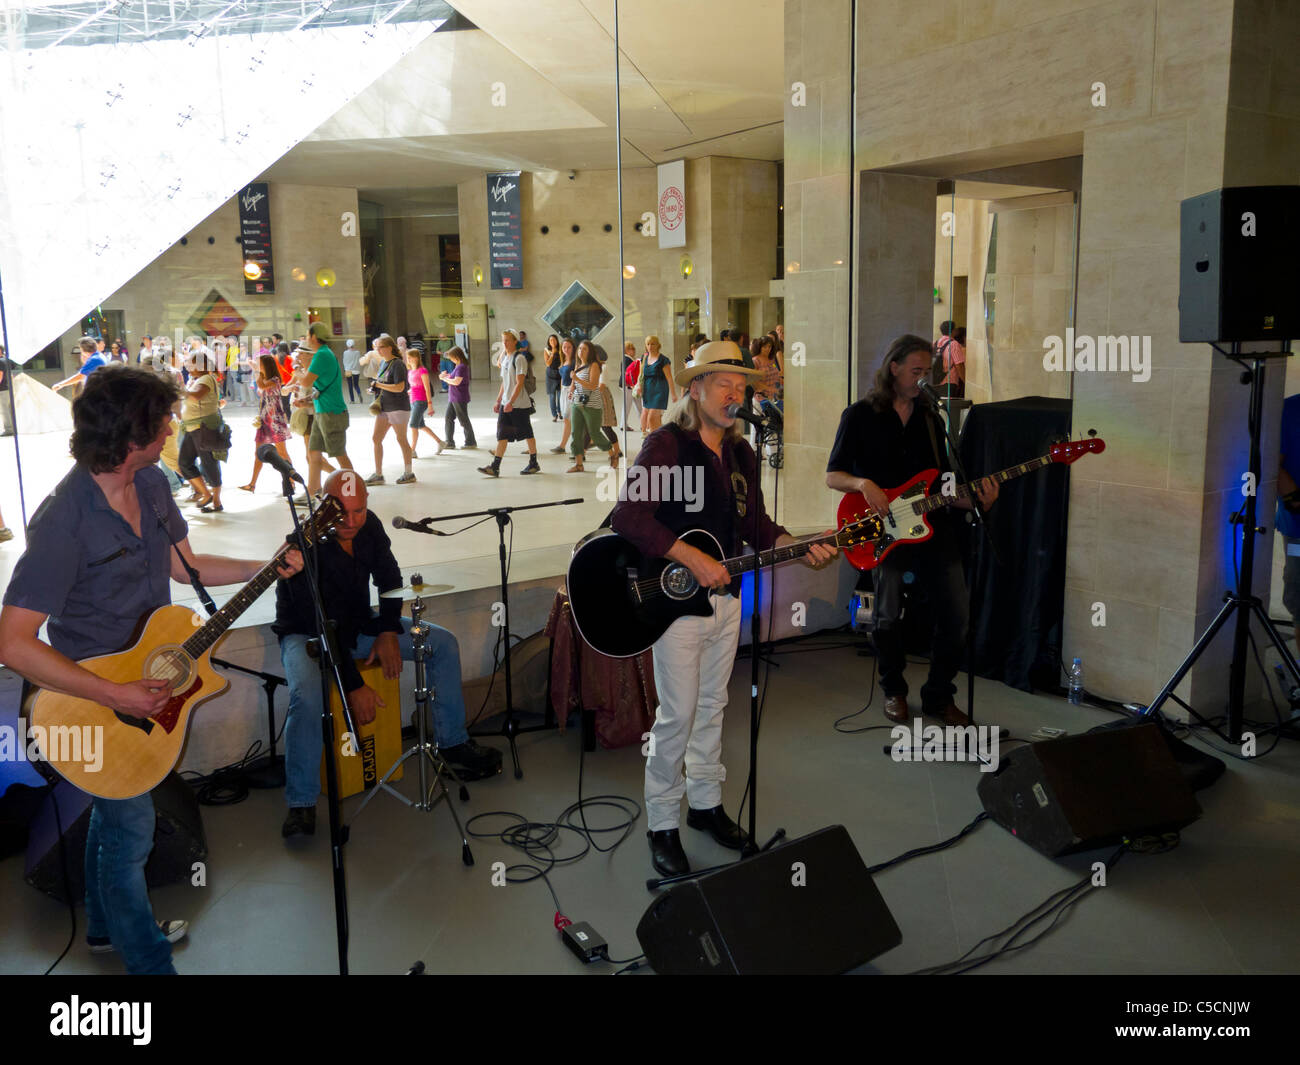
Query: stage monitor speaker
[
  {"x": 179, "y": 841},
  {"x": 807, "y": 907},
  {"x": 1089, "y": 791},
  {"x": 1238, "y": 270}
]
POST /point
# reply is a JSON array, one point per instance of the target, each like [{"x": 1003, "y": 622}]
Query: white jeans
[{"x": 693, "y": 663}]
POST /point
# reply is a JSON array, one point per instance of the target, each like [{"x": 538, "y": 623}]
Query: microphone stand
[
  {"x": 954, "y": 456},
  {"x": 324, "y": 649},
  {"x": 268, "y": 771},
  {"x": 510, "y": 728}
]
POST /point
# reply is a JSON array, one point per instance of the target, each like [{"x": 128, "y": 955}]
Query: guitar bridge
[{"x": 633, "y": 589}]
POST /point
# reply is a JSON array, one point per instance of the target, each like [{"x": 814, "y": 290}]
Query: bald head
[
  {"x": 350, "y": 490},
  {"x": 344, "y": 485}
]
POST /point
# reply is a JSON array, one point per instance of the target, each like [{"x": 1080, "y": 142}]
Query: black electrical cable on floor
[
  {"x": 933, "y": 848},
  {"x": 67, "y": 881},
  {"x": 1057, "y": 906},
  {"x": 871, "y": 696}
]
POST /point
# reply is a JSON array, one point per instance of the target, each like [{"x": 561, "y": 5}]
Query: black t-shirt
[
  {"x": 345, "y": 588},
  {"x": 393, "y": 373},
  {"x": 878, "y": 446},
  {"x": 7, "y": 367}
]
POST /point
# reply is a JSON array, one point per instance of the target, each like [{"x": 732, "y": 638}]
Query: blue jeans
[
  {"x": 303, "y": 744},
  {"x": 118, "y": 843}
]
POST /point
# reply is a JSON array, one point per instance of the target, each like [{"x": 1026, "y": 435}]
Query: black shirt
[
  {"x": 345, "y": 589},
  {"x": 394, "y": 373},
  {"x": 878, "y": 446}
]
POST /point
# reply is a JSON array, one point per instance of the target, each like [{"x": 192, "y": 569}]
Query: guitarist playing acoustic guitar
[
  {"x": 693, "y": 659},
  {"x": 98, "y": 560},
  {"x": 882, "y": 441}
]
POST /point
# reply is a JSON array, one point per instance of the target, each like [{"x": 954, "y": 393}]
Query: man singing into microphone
[
  {"x": 694, "y": 657},
  {"x": 882, "y": 441},
  {"x": 358, "y": 552}
]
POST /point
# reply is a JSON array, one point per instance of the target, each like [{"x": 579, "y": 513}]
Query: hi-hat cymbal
[{"x": 409, "y": 590}]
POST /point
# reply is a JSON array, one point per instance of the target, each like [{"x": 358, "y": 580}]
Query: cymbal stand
[{"x": 425, "y": 752}]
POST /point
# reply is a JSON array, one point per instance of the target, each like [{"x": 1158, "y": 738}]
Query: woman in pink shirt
[{"x": 418, "y": 377}]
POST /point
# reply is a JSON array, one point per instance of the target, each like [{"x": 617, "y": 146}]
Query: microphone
[
  {"x": 930, "y": 393},
  {"x": 267, "y": 455},
  {"x": 762, "y": 421},
  {"x": 421, "y": 526}
]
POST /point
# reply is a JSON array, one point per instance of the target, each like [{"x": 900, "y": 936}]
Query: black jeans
[
  {"x": 190, "y": 459},
  {"x": 458, "y": 412},
  {"x": 936, "y": 570}
]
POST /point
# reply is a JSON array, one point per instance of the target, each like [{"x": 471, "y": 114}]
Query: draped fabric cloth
[
  {"x": 1019, "y": 587},
  {"x": 621, "y": 691}
]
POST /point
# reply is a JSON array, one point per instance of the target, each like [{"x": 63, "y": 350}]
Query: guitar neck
[
  {"x": 213, "y": 629},
  {"x": 786, "y": 553},
  {"x": 939, "y": 499}
]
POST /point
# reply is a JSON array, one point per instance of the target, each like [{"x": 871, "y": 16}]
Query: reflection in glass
[
  {"x": 990, "y": 298},
  {"x": 577, "y": 314}
]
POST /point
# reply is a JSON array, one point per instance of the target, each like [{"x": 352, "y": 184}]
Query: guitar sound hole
[
  {"x": 678, "y": 582},
  {"x": 170, "y": 664}
]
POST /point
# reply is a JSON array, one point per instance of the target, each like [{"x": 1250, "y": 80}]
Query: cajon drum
[{"x": 380, "y": 743}]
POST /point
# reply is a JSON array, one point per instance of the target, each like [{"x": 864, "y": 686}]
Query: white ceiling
[{"x": 687, "y": 90}]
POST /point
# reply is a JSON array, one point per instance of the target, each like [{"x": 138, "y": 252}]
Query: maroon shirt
[{"x": 654, "y": 525}]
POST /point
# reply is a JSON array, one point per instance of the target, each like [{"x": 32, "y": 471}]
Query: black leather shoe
[
  {"x": 300, "y": 822},
  {"x": 473, "y": 761},
  {"x": 666, "y": 852},
  {"x": 717, "y": 824}
]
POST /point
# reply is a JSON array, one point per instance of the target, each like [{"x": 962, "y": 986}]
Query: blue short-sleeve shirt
[{"x": 85, "y": 567}]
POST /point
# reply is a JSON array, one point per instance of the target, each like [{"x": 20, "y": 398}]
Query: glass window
[{"x": 577, "y": 314}]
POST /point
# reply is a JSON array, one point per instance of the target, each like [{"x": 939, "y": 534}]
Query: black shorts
[{"x": 515, "y": 424}]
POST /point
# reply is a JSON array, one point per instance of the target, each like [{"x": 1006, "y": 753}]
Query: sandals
[
  {"x": 575, "y": 468},
  {"x": 247, "y": 488},
  {"x": 208, "y": 508},
  {"x": 615, "y": 453}
]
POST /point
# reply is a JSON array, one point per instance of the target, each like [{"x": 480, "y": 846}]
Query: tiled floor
[{"x": 1222, "y": 902}]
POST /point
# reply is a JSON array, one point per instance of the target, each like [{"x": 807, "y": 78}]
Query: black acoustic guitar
[{"x": 623, "y": 602}]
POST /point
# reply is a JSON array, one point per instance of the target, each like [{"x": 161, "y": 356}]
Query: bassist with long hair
[{"x": 882, "y": 441}]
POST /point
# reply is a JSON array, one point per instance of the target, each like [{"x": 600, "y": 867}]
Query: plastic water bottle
[{"x": 1076, "y": 682}]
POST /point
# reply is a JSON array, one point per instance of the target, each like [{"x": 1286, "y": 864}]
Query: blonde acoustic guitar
[{"x": 133, "y": 755}]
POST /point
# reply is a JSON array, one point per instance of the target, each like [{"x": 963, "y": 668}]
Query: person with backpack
[
  {"x": 514, "y": 405},
  {"x": 631, "y": 377},
  {"x": 949, "y": 371}
]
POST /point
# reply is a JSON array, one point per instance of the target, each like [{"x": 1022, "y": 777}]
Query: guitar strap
[{"x": 202, "y": 592}]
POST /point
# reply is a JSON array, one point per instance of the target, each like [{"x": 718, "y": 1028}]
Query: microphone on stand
[
  {"x": 762, "y": 421},
  {"x": 267, "y": 455},
  {"x": 930, "y": 393},
  {"x": 421, "y": 526}
]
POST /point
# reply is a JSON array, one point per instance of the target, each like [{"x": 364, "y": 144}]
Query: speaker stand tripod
[
  {"x": 427, "y": 754},
  {"x": 1241, "y": 601}
]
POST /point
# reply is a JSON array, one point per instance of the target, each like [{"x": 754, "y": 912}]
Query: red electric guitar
[{"x": 911, "y": 501}]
